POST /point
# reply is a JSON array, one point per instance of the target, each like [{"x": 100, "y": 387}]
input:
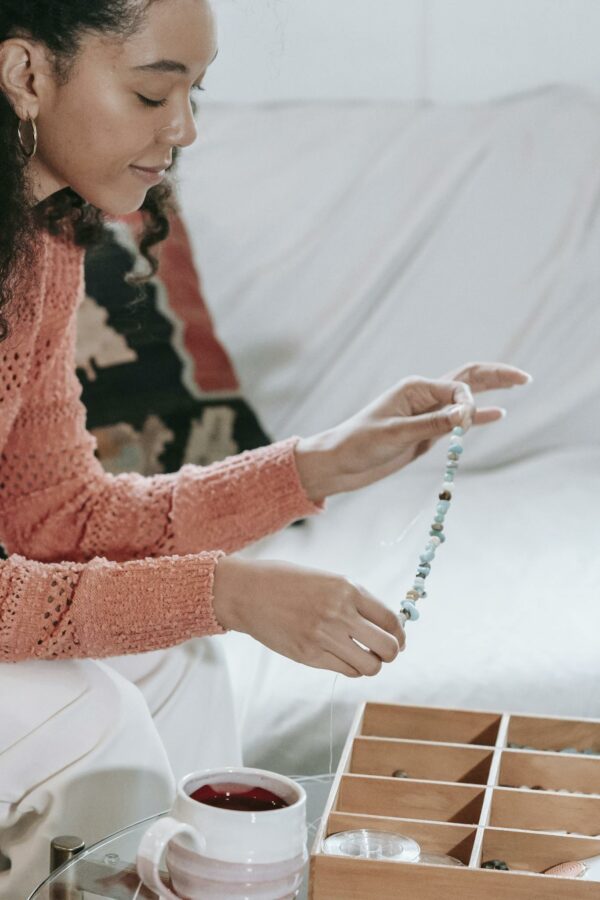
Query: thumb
[{"x": 433, "y": 424}]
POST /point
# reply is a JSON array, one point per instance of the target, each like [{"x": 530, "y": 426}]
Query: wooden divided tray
[{"x": 477, "y": 786}]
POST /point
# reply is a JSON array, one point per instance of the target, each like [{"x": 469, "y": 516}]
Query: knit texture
[{"x": 105, "y": 565}]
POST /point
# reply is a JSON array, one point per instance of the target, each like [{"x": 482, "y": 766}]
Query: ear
[{"x": 23, "y": 69}]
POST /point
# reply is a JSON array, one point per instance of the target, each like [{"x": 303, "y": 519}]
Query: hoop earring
[{"x": 30, "y": 152}]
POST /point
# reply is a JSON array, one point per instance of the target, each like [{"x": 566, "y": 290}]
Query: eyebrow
[
  {"x": 168, "y": 65},
  {"x": 164, "y": 65}
]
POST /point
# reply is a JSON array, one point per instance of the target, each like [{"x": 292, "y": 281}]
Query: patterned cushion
[{"x": 159, "y": 387}]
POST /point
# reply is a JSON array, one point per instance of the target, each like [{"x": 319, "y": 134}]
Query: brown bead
[
  {"x": 412, "y": 595},
  {"x": 445, "y": 495},
  {"x": 437, "y": 526},
  {"x": 453, "y": 456}
]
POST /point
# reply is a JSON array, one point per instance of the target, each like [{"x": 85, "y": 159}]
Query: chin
[
  {"x": 123, "y": 205},
  {"x": 117, "y": 202}
]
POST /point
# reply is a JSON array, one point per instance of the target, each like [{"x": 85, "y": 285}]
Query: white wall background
[{"x": 443, "y": 50}]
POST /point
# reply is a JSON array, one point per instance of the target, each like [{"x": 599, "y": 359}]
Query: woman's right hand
[{"x": 312, "y": 617}]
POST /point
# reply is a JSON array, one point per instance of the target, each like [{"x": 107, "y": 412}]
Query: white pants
[{"x": 88, "y": 747}]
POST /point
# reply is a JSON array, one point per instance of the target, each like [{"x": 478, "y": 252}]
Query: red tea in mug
[{"x": 239, "y": 797}]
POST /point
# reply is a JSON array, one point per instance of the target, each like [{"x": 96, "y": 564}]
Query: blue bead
[
  {"x": 419, "y": 589},
  {"x": 425, "y": 570},
  {"x": 439, "y": 518},
  {"x": 411, "y": 610},
  {"x": 448, "y": 475},
  {"x": 443, "y": 507},
  {"x": 441, "y": 536},
  {"x": 427, "y": 556},
  {"x": 455, "y": 448},
  {"x": 458, "y": 431}
]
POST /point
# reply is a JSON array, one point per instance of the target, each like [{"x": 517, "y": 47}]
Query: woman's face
[{"x": 126, "y": 105}]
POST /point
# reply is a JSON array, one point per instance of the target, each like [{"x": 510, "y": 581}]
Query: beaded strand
[{"x": 408, "y": 607}]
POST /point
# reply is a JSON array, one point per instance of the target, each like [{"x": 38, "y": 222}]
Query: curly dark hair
[{"x": 61, "y": 25}]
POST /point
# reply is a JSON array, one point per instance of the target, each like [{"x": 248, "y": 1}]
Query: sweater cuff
[
  {"x": 147, "y": 604},
  {"x": 240, "y": 500}
]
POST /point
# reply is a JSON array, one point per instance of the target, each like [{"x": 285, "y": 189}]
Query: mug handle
[{"x": 153, "y": 845}]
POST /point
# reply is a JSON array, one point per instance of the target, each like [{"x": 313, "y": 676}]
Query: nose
[{"x": 181, "y": 131}]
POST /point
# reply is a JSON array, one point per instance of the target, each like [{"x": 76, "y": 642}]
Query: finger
[
  {"x": 380, "y": 642},
  {"x": 374, "y": 611},
  {"x": 488, "y": 414},
  {"x": 490, "y": 376},
  {"x": 332, "y": 662},
  {"x": 428, "y": 394},
  {"x": 352, "y": 654},
  {"x": 432, "y": 425}
]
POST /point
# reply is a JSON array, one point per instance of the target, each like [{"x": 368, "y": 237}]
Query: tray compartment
[
  {"x": 454, "y": 840},
  {"x": 550, "y": 771},
  {"x": 422, "y": 760},
  {"x": 529, "y": 851},
  {"x": 554, "y": 735},
  {"x": 430, "y": 724},
  {"x": 407, "y": 799},
  {"x": 544, "y": 812}
]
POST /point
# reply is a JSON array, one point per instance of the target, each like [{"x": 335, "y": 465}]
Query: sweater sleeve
[
  {"x": 56, "y": 501},
  {"x": 104, "y": 565},
  {"x": 102, "y": 608}
]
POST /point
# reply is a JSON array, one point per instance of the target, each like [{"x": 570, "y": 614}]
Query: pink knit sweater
[{"x": 103, "y": 565}]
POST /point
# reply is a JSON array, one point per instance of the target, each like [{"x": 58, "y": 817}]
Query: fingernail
[
  {"x": 502, "y": 412},
  {"x": 529, "y": 378}
]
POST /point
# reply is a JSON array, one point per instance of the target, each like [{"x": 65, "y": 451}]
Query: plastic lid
[{"x": 366, "y": 844}]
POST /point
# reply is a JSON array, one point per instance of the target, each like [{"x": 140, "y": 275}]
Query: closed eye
[
  {"x": 152, "y": 103},
  {"x": 156, "y": 103}
]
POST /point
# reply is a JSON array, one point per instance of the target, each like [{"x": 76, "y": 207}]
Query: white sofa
[{"x": 346, "y": 245}]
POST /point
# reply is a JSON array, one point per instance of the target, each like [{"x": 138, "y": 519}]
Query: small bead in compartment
[
  {"x": 498, "y": 864},
  {"x": 400, "y": 773}
]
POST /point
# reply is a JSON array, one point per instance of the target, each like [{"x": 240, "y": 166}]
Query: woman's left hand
[{"x": 399, "y": 426}]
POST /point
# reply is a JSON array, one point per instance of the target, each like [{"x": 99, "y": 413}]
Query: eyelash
[{"x": 156, "y": 103}]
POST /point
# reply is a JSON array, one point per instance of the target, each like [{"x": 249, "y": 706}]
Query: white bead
[
  {"x": 455, "y": 439},
  {"x": 435, "y": 541},
  {"x": 447, "y": 486}
]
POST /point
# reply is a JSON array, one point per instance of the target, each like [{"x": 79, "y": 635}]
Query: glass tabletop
[{"x": 107, "y": 870}]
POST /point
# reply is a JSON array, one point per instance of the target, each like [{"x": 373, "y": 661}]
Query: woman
[{"x": 95, "y": 101}]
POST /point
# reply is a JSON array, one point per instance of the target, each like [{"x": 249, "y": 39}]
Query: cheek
[{"x": 97, "y": 138}]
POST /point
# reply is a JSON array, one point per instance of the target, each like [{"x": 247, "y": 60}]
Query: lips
[
  {"x": 150, "y": 177},
  {"x": 155, "y": 170}
]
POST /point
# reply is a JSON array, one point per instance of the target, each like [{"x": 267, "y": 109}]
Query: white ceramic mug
[{"x": 215, "y": 852}]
